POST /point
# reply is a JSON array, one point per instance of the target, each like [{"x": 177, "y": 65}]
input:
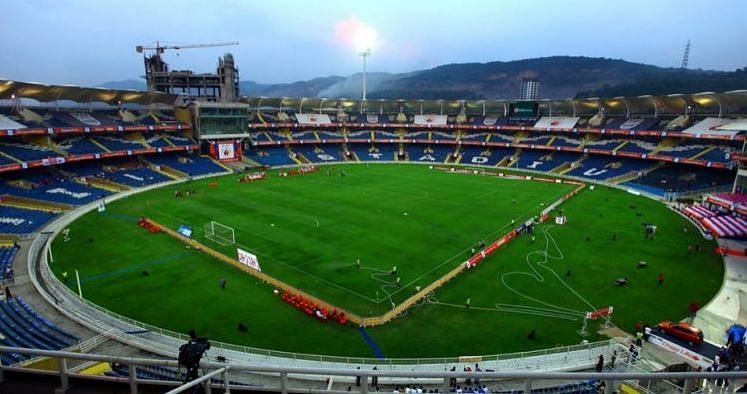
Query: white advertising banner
[
  {"x": 712, "y": 126},
  {"x": 313, "y": 119},
  {"x": 690, "y": 356},
  {"x": 248, "y": 259},
  {"x": 225, "y": 151},
  {"x": 431, "y": 120},
  {"x": 557, "y": 122}
]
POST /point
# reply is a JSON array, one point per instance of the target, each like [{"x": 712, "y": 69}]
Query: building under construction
[{"x": 222, "y": 86}]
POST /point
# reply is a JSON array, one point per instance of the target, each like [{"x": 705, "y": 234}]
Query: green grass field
[{"x": 309, "y": 231}]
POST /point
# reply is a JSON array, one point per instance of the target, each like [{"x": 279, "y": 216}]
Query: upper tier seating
[
  {"x": 83, "y": 118},
  {"x": 562, "y": 140},
  {"x": 155, "y": 140},
  {"x": 474, "y": 136},
  {"x": 306, "y": 135},
  {"x": 4, "y": 160},
  {"x": 79, "y": 146},
  {"x": 632, "y": 123},
  {"x": 639, "y": 146},
  {"x": 603, "y": 143},
  {"x": 27, "y": 152},
  {"x": 536, "y": 139},
  {"x": 443, "y": 136},
  {"x": 178, "y": 140},
  {"x": 384, "y": 135},
  {"x": 683, "y": 150},
  {"x": 719, "y": 154},
  {"x": 328, "y": 135},
  {"x": 118, "y": 143}
]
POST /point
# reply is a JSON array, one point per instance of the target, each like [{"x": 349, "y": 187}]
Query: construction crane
[
  {"x": 162, "y": 48},
  {"x": 223, "y": 84}
]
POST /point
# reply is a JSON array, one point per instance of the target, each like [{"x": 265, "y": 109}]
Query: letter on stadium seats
[
  {"x": 594, "y": 172},
  {"x": 325, "y": 157},
  {"x": 535, "y": 164}
]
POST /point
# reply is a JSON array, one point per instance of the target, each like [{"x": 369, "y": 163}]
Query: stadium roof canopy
[
  {"x": 706, "y": 103},
  {"x": 48, "y": 93}
]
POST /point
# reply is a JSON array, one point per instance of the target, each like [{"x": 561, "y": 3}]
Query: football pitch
[{"x": 338, "y": 234}]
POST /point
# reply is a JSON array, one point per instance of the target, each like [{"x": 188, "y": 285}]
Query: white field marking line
[
  {"x": 353, "y": 292},
  {"x": 267, "y": 210},
  {"x": 539, "y": 278},
  {"x": 370, "y": 299},
  {"x": 542, "y": 312},
  {"x": 377, "y": 276},
  {"x": 489, "y": 235},
  {"x": 314, "y": 218},
  {"x": 394, "y": 192},
  {"x": 255, "y": 250}
]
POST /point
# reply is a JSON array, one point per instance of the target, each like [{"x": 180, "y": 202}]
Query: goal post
[{"x": 220, "y": 233}]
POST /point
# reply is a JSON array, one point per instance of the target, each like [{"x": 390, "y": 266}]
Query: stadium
[{"x": 333, "y": 245}]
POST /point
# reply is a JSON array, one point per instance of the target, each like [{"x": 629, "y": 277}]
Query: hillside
[{"x": 560, "y": 77}]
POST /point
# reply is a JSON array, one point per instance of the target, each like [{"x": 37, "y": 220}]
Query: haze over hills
[{"x": 560, "y": 77}]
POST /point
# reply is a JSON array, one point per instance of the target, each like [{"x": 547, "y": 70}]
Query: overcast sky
[{"x": 88, "y": 42}]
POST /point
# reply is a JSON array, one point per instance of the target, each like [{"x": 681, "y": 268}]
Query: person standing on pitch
[
  {"x": 467, "y": 303},
  {"x": 222, "y": 283},
  {"x": 394, "y": 270},
  {"x": 358, "y": 263},
  {"x": 660, "y": 279}
]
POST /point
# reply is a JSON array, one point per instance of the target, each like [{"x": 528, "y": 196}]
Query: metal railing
[
  {"x": 166, "y": 341},
  {"x": 438, "y": 378}
]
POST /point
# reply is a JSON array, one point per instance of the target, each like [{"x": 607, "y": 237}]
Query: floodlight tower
[{"x": 364, "y": 54}]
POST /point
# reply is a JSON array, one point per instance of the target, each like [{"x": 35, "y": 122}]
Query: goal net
[{"x": 220, "y": 233}]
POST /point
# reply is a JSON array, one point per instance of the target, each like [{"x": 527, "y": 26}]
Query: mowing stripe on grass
[
  {"x": 376, "y": 349},
  {"x": 120, "y": 216},
  {"x": 131, "y": 268}
]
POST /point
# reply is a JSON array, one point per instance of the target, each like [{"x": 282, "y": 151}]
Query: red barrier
[
  {"x": 257, "y": 176},
  {"x": 153, "y": 229},
  {"x": 314, "y": 310},
  {"x": 490, "y": 249},
  {"x": 731, "y": 252}
]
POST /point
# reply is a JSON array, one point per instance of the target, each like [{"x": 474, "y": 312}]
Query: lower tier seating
[
  {"x": 192, "y": 165},
  {"x": 22, "y": 221},
  {"x": 22, "y": 326}
]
